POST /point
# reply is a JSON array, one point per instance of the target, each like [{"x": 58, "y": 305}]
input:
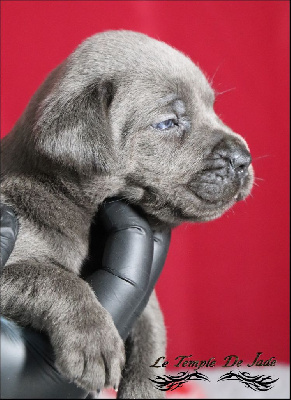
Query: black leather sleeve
[
  {"x": 162, "y": 239},
  {"x": 132, "y": 260},
  {"x": 123, "y": 279}
]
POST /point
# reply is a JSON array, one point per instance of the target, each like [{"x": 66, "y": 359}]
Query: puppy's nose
[{"x": 235, "y": 154}]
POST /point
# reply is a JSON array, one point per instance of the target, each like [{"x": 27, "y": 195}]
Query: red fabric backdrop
[{"x": 225, "y": 286}]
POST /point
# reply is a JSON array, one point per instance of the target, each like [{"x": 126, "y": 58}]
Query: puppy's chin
[
  {"x": 162, "y": 210},
  {"x": 179, "y": 204},
  {"x": 178, "y": 215}
]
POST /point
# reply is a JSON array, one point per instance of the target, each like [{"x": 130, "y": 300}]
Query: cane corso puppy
[{"x": 124, "y": 115}]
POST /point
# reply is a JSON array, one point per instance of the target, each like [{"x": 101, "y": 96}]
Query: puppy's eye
[{"x": 168, "y": 124}]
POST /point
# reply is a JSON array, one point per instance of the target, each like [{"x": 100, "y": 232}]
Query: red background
[{"x": 225, "y": 287}]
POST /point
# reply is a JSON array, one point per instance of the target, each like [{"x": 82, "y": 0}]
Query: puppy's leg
[
  {"x": 145, "y": 344},
  {"x": 88, "y": 349}
]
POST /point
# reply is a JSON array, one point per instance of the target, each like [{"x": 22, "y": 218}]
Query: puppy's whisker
[
  {"x": 259, "y": 179},
  {"x": 225, "y": 91},
  {"x": 215, "y": 72},
  {"x": 260, "y": 157}
]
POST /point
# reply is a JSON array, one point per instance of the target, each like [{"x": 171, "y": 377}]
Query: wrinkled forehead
[
  {"x": 169, "y": 70},
  {"x": 178, "y": 87}
]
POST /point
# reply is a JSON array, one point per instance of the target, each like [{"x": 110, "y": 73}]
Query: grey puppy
[{"x": 124, "y": 115}]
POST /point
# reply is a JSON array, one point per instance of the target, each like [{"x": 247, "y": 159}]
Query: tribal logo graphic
[
  {"x": 257, "y": 382},
  {"x": 172, "y": 382}
]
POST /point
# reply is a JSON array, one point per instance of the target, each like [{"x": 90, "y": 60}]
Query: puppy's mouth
[
  {"x": 226, "y": 174},
  {"x": 204, "y": 198},
  {"x": 207, "y": 195},
  {"x": 220, "y": 186}
]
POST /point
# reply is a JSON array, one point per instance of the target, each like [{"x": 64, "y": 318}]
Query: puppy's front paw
[{"x": 91, "y": 353}]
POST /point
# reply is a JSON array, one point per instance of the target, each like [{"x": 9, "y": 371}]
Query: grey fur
[{"x": 87, "y": 134}]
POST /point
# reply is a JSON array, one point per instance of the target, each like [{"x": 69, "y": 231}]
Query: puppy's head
[{"x": 142, "y": 112}]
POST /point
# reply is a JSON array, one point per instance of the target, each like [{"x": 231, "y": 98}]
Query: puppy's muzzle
[{"x": 225, "y": 172}]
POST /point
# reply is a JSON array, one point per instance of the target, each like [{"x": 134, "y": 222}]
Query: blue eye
[{"x": 169, "y": 123}]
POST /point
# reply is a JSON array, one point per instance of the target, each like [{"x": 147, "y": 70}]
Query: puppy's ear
[{"x": 72, "y": 126}]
